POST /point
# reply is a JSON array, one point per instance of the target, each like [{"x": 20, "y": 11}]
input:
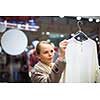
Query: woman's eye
[
  {"x": 51, "y": 50},
  {"x": 46, "y": 52}
]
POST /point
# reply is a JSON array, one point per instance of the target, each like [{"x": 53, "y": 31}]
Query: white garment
[{"x": 82, "y": 61}]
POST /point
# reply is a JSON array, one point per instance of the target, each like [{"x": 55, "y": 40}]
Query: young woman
[{"x": 45, "y": 71}]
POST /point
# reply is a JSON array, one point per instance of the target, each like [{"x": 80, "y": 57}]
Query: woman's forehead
[{"x": 46, "y": 45}]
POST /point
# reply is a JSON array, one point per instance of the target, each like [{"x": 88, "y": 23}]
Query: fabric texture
[
  {"x": 82, "y": 61},
  {"x": 42, "y": 73}
]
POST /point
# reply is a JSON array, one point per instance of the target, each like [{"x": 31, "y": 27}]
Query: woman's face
[{"x": 46, "y": 53}]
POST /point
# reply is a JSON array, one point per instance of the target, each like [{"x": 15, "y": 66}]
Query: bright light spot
[
  {"x": 98, "y": 42},
  {"x": 5, "y": 22},
  {"x": 61, "y": 35},
  {"x": 26, "y": 26},
  {"x": 72, "y": 34},
  {"x": 61, "y": 16},
  {"x": 0, "y": 49},
  {"x": 26, "y": 50},
  {"x": 48, "y": 40},
  {"x": 19, "y": 26},
  {"x": 90, "y": 19},
  {"x": 37, "y": 27},
  {"x": 33, "y": 29},
  {"x": 43, "y": 33},
  {"x": 47, "y": 33},
  {"x": 97, "y": 39},
  {"x": 78, "y": 18},
  {"x": 97, "y": 20}
]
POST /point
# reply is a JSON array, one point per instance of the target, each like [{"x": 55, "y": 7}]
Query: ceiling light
[
  {"x": 78, "y": 18},
  {"x": 97, "y": 39},
  {"x": 90, "y": 19},
  {"x": 98, "y": 42},
  {"x": 97, "y": 20},
  {"x": 61, "y": 16},
  {"x": 47, "y": 33}
]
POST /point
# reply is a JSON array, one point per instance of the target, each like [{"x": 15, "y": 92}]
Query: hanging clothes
[{"x": 82, "y": 61}]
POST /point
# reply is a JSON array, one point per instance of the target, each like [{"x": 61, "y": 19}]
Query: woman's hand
[{"x": 62, "y": 47}]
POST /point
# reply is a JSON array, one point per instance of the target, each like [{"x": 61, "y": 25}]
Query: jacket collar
[{"x": 43, "y": 67}]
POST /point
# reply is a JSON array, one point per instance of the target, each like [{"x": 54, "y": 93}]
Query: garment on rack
[
  {"x": 80, "y": 36},
  {"x": 82, "y": 62}
]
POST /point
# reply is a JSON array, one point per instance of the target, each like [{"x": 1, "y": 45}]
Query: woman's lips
[{"x": 50, "y": 58}]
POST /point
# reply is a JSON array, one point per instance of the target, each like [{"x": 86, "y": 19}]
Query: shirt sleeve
[{"x": 53, "y": 77}]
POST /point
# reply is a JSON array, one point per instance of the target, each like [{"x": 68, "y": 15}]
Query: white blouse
[{"x": 82, "y": 61}]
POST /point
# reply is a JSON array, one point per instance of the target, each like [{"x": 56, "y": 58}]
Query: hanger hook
[{"x": 78, "y": 24}]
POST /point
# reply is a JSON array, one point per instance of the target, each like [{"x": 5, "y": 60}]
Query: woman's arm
[{"x": 53, "y": 77}]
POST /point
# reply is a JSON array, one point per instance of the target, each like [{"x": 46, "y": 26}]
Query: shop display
[
  {"x": 82, "y": 61},
  {"x": 19, "y": 36},
  {"x": 14, "y": 42}
]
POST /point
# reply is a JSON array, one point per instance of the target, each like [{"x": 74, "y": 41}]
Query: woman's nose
[{"x": 50, "y": 53}]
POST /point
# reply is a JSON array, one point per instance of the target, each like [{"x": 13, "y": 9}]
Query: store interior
[{"x": 14, "y": 67}]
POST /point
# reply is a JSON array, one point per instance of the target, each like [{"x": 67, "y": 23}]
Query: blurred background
[{"x": 15, "y": 68}]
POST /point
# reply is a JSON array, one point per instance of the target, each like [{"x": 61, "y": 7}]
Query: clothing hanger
[{"x": 80, "y": 35}]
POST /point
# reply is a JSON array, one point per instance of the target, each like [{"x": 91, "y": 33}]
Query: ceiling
[
  {"x": 18, "y": 18},
  {"x": 94, "y": 17},
  {"x": 55, "y": 24}
]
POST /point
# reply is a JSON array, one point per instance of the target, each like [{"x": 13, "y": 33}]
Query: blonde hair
[{"x": 39, "y": 44}]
